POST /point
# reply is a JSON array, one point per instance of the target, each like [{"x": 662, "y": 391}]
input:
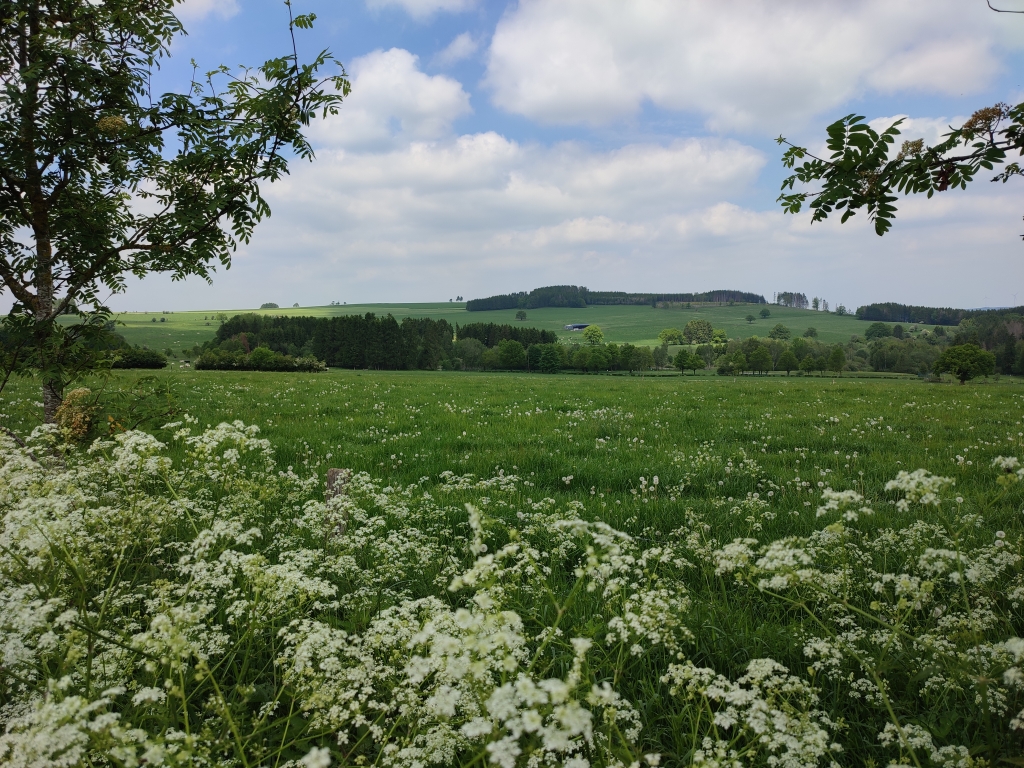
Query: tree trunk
[{"x": 53, "y": 385}]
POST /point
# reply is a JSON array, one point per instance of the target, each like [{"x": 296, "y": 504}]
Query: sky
[{"x": 490, "y": 147}]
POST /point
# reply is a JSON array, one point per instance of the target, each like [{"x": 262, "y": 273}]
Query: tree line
[
  {"x": 579, "y": 296},
  {"x": 491, "y": 334},
  {"x": 351, "y": 341},
  {"x": 891, "y": 312}
]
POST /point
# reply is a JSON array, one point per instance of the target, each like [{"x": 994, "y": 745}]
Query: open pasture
[
  {"x": 778, "y": 589},
  {"x": 179, "y": 331},
  {"x": 604, "y": 431}
]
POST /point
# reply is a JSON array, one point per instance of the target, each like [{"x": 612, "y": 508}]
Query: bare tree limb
[
  {"x": 999, "y": 10},
  {"x": 20, "y": 442}
]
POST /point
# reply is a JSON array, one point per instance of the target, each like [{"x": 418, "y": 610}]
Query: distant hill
[{"x": 578, "y": 296}]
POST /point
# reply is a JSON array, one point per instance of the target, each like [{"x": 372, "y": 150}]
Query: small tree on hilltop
[
  {"x": 593, "y": 334},
  {"x": 811, "y": 333},
  {"x": 965, "y": 362},
  {"x": 780, "y": 332},
  {"x": 765, "y": 313},
  {"x": 750, "y": 318},
  {"x": 521, "y": 314}
]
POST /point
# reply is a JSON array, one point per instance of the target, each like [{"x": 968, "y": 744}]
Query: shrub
[
  {"x": 779, "y": 332},
  {"x": 310, "y": 365},
  {"x": 878, "y": 331},
  {"x": 139, "y": 357},
  {"x": 672, "y": 336},
  {"x": 260, "y": 359}
]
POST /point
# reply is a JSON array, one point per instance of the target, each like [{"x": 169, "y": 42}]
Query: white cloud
[
  {"x": 392, "y": 99},
  {"x": 197, "y": 10},
  {"x": 744, "y": 65},
  {"x": 462, "y": 47},
  {"x": 931, "y": 129},
  {"x": 480, "y": 214},
  {"x": 422, "y": 9}
]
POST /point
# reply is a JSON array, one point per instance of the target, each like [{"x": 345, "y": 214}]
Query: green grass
[
  {"x": 363, "y": 418},
  {"x": 742, "y": 458},
  {"x": 179, "y": 331}
]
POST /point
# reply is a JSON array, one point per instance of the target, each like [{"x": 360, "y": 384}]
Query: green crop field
[
  {"x": 779, "y": 590},
  {"x": 179, "y": 331}
]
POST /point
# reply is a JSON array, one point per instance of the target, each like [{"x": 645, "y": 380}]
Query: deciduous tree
[
  {"x": 760, "y": 361},
  {"x": 100, "y": 178},
  {"x": 593, "y": 335},
  {"x": 965, "y": 362},
  {"x": 836, "y": 359},
  {"x": 698, "y": 331},
  {"x": 672, "y": 336},
  {"x": 787, "y": 362}
]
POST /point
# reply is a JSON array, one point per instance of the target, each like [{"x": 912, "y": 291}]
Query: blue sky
[{"x": 490, "y": 147}]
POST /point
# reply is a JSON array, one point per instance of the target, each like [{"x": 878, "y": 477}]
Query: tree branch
[
  {"x": 20, "y": 442},
  {"x": 999, "y": 10}
]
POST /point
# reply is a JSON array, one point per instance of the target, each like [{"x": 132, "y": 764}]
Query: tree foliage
[
  {"x": 100, "y": 178},
  {"x": 593, "y": 334},
  {"x": 862, "y": 173},
  {"x": 698, "y": 331},
  {"x": 965, "y": 362},
  {"x": 672, "y": 336}
]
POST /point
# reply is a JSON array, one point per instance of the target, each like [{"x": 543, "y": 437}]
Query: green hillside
[{"x": 634, "y": 324}]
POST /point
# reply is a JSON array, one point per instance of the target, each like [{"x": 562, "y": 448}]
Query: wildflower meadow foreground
[{"x": 182, "y": 598}]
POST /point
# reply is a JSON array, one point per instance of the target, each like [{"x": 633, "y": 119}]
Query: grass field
[
  {"x": 889, "y": 614},
  {"x": 367, "y": 416},
  {"x": 636, "y": 325}
]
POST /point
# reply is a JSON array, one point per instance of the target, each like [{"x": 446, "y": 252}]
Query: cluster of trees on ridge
[{"x": 578, "y": 296}]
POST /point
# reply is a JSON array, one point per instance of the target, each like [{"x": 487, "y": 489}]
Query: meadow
[
  {"x": 525, "y": 570},
  {"x": 179, "y": 331}
]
